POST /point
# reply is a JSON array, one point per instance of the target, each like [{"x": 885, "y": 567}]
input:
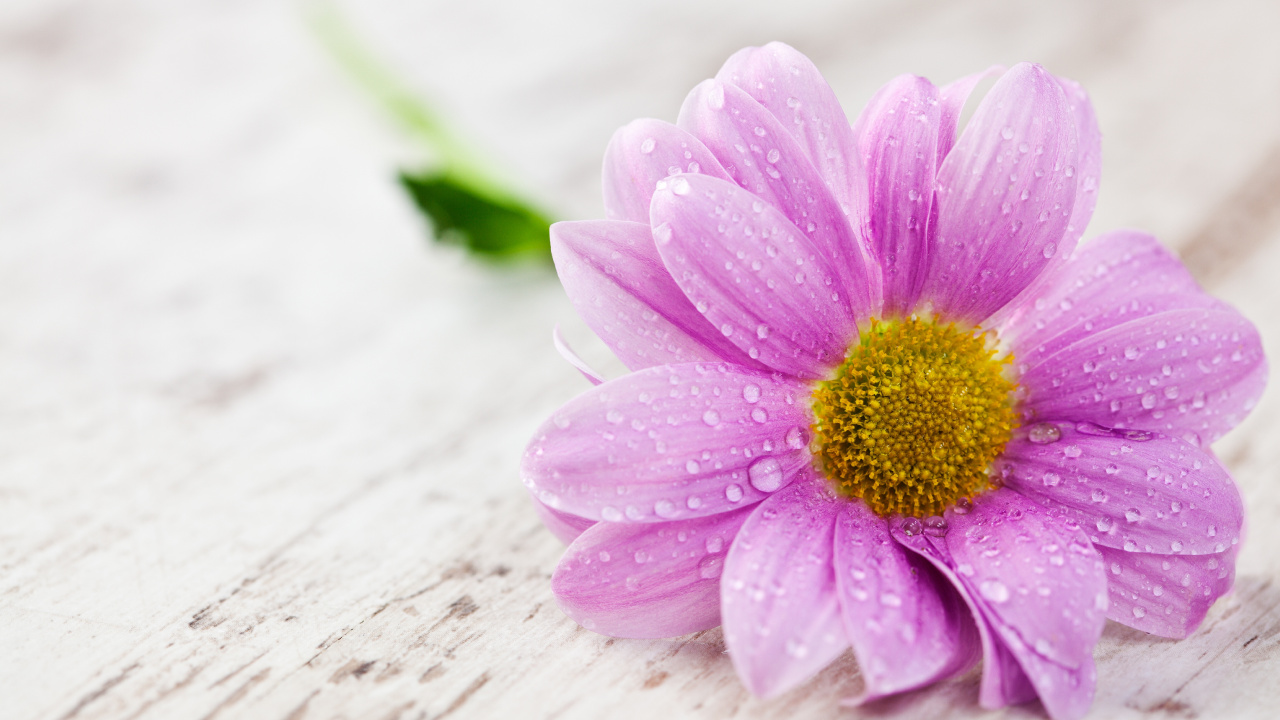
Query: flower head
[{"x": 880, "y": 399}]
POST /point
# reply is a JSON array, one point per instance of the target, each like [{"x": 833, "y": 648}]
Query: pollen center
[{"x": 914, "y": 417}]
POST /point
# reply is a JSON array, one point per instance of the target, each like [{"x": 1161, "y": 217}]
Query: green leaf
[{"x": 463, "y": 214}]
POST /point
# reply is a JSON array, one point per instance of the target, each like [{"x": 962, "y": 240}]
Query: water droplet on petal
[
  {"x": 646, "y": 147},
  {"x": 797, "y": 438},
  {"x": 733, "y": 493},
  {"x": 912, "y": 526},
  {"x": 711, "y": 417},
  {"x": 610, "y": 514},
  {"x": 1044, "y": 433},
  {"x": 765, "y": 474},
  {"x": 751, "y": 393},
  {"x": 680, "y": 186},
  {"x": 994, "y": 590}
]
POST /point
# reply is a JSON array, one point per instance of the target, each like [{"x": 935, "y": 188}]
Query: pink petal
[
  {"x": 639, "y": 155},
  {"x": 647, "y": 581},
  {"x": 670, "y": 442},
  {"x": 1165, "y": 595},
  {"x": 763, "y": 283},
  {"x": 1088, "y": 167},
  {"x": 571, "y": 357},
  {"x": 907, "y": 627},
  {"x": 789, "y": 86},
  {"x": 952, "y": 99},
  {"x": 897, "y": 135},
  {"x": 1004, "y": 196},
  {"x": 1042, "y": 587},
  {"x": 764, "y": 158},
  {"x": 778, "y": 598},
  {"x": 1191, "y": 373},
  {"x": 1129, "y": 489},
  {"x": 1119, "y": 276},
  {"x": 619, "y": 286},
  {"x": 563, "y": 525},
  {"x": 1003, "y": 681}
]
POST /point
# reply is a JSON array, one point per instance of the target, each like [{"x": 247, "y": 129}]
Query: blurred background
[{"x": 259, "y": 434}]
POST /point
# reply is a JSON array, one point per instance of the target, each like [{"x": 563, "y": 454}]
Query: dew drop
[
  {"x": 733, "y": 493},
  {"x": 664, "y": 509},
  {"x": 646, "y": 147},
  {"x": 680, "y": 186},
  {"x": 1044, "y": 433},
  {"x": 797, "y": 438},
  {"x": 994, "y": 590},
  {"x": 935, "y": 526},
  {"x": 912, "y": 526},
  {"x": 760, "y": 415},
  {"x": 692, "y": 467},
  {"x": 1139, "y": 611},
  {"x": 610, "y": 513},
  {"x": 711, "y": 417},
  {"x": 751, "y": 393},
  {"x": 765, "y": 474}
]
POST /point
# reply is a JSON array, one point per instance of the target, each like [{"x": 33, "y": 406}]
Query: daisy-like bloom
[{"x": 880, "y": 400}]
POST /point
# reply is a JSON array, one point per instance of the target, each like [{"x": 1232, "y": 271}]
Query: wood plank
[{"x": 260, "y": 447}]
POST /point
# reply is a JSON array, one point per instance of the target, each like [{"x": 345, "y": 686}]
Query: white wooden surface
[{"x": 258, "y": 442}]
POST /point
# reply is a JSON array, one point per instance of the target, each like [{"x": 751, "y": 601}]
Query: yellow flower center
[{"x": 914, "y": 417}]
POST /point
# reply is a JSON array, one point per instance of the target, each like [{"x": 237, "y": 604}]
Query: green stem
[{"x": 457, "y": 161}]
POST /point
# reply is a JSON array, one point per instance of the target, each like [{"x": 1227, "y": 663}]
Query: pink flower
[{"x": 880, "y": 399}]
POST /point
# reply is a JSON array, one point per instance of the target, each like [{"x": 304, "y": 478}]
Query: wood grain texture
[{"x": 258, "y": 441}]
